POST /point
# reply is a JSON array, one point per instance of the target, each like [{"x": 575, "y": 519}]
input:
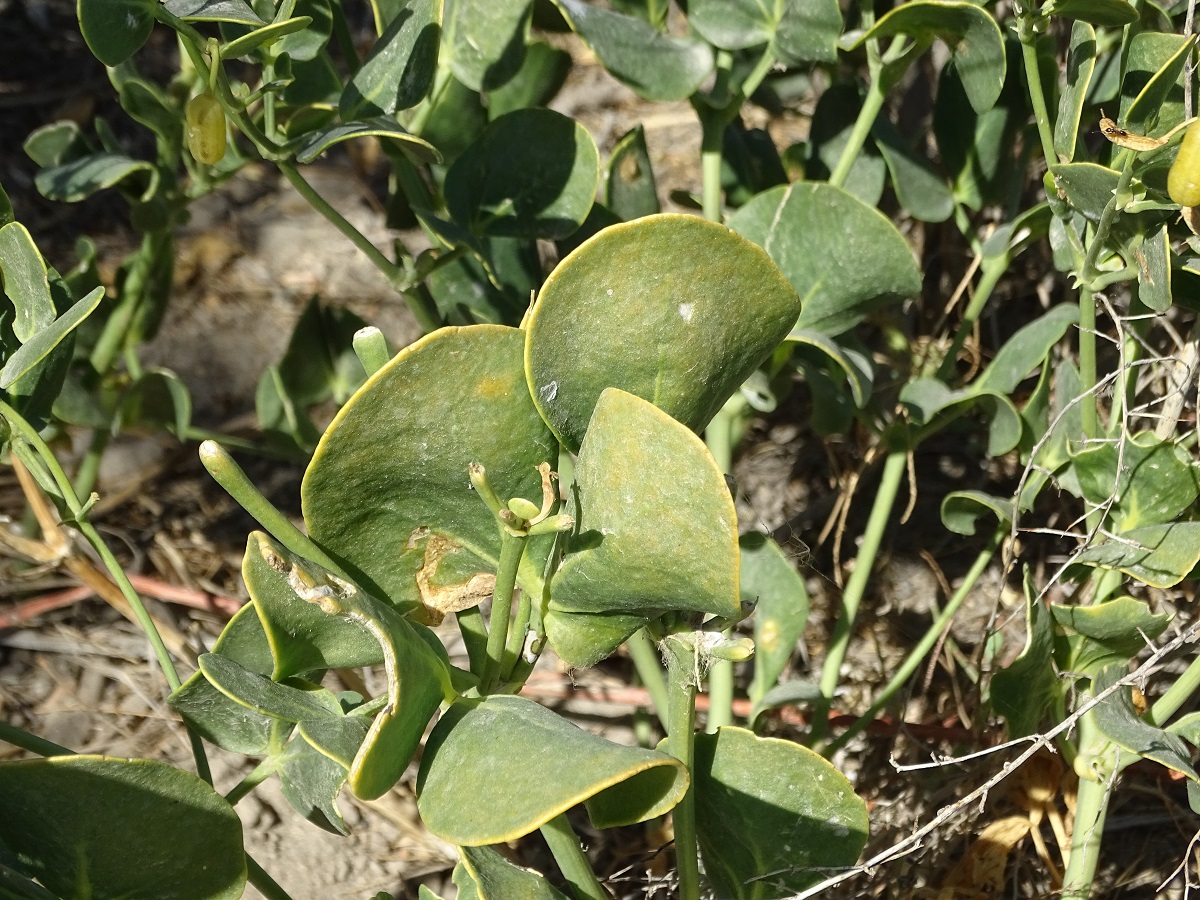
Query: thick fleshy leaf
[
  {"x": 398, "y": 71},
  {"x": 972, "y": 34},
  {"x": 630, "y": 190},
  {"x": 1148, "y": 480},
  {"x": 657, "y": 66},
  {"x": 227, "y": 723},
  {"x": 1026, "y": 350},
  {"x": 1158, "y": 555},
  {"x": 1111, "y": 13},
  {"x": 237, "y": 12},
  {"x": 338, "y": 738},
  {"x": 158, "y": 398},
  {"x": 23, "y": 276},
  {"x": 929, "y": 403},
  {"x": 672, "y": 308},
  {"x": 920, "y": 190},
  {"x": 647, "y": 542},
  {"x": 477, "y": 784},
  {"x": 1154, "y": 271},
  {"x": 532, "y": 173},
  {"x": 540, "y": 77},
  {"x": 772, "y": 817},
  {"x": 289, "y": 702},
  {"x": 1117, "y": 720},
  {"x": 845, "y": 258},
  {"x": 115, "y": 29},
  {"x": 56, "y": 144},
  {"x": 91, "y": 826},
  {"x": 770, "y": 582},
  {"x": 583, "y": 639},
  {"x": 1152, "y": 86},
  {"x": 961, "y": 510},
  {"x": 801, "y": 30},
  {"x": 1023, "y": 690},
  {"x": 1081, "y": 63},
  {"x": 148, "y": 104},
  {"x": 307, "y": 45},
  {"x": 854, "y": 364},
  {"x": 1112, "y": 632},
  {"x": 259, "y": 37},
  {"x": 808, "y": 32},
  {"x": 484, "y": 874},
  {"x": 388, "y": 491},
  {"x": 302, "y": 637},
  {"x": 1087, "y": 187},
  {"x": 485, "y": 40},
  {"x": 77, "y": 180},
  {"x": 316, "y": 143},
  {"x": 40, "y": 345},
  {"x": 311, "y": 782}
]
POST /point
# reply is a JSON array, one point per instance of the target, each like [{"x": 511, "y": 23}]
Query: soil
[{"x": 249, "y": 260}]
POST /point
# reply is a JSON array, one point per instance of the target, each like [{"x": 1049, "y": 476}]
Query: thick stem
[
  {"x": 1176, "y": 695},
  {"x": 475, "y": 637},
  {"x": 253, "y": 779},
  {"x": 267, "y": 886},
  {"x": 20, "y": 738},
  {"x": 864, "y": 562},
  {"x": 932, "y": 634},
  {"x": 681, "y": 716},
  {"x": 719, "y": 436},
  {"x": 872, "y": 104},
  {"x": 1087, "y": 362},
  {"x": 649, "y": 668},
  {"x": 512, "y": 547},
  {"x": 516, "y": 636},
  {"x": 1033, "y": 82},
  {"x": 572, "y": 861},
  {"x": 1091, "y": 808},
  {"x": 422, "y": 309}
]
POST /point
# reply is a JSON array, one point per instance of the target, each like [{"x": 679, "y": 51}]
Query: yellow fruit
[
  {"x": 1183, "y": 182},
  {"x": 206, "y": 129}
]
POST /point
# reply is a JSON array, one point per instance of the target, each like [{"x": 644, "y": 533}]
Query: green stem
[
  {"x": 516, "y": 635},
  {"x": 719, "y": 436},
  {"x": 418, "y": 304},
  {"x": 512, "y": 547},
  {"x": 89, "y": 466},
  {"x": 872, "y": 104},
  {"x": 18, "y": 737},
  {"x": 1087, "y": 361},
  {"x": 990, "y": 273},
  {"x": 1176, "y": 695},
  {"x": 267, "y": 886},
  {"x": 1091, "y": 808},
  {"x": 475, "y": 637},
  {"x": 864, "y": 562},
  {"x": 253, "y": 779},
  {"x": 918, "y": 653},
  {"x": 572, "y": 861},
  {"x": 649, "y": 668},
  {"x": 681, "y": 716},
  {"x": 1033, "y": 81}
]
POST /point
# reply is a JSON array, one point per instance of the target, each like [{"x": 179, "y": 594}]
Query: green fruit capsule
[
  {"x": 206, "y": 129},
  {"x": 1183, "y": 182}
]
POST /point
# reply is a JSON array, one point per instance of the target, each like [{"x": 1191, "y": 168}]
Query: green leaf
[
  {"x": 148, "y": 104},
  {"x": 302, "y": 637},
  {"x": 540, "y": 77},
  {"x": 645, "y": 544},
  {"x": 629, "y": 189},
  {"x": 485, "y": 40},
  {"x": 157, "y": 398},
  {"x": 226, "y": 723},
  {"x": 259, "y": 37},
  {"x": 235, "y": 11},
  {"x": 90, "y": 826},
  {"x": 38, "y": 347},
  {"x": 1158, "y": 555},
  {"x": 1027, "y": 349},
  {"x": 532, "y": 173},
  {"x": 23, "y": 276},
  {"x": 920, "y": 190},
  {"x": 961, "y": 510},
  {"x": 833, "y": 125},
  {"x": 6, "y": 209},
  {"x": 1148, "y": 480},
  {"x": 799, "y": 30},
  {"x": 398, "y": 71},
  {"x": 1154, "y": 270},
  {"x": 770, "y": 583},
  {"x": 1081, "y": 63},
  {"x": 1109, "y": 13},
  {"x": 311, "y": 782},
  {"x": 583, "y": 639},
  {"x": 855, "y": 366},
  {"x": 307, "y": 45},
  {"x": 492, "y": 877},
  {"x": 772, "y": 817},
  {"x": 315, "y": 143},
  {"x": 1152, "y": 86},
  {"x": 648, "y": 306},
  {"x": 1086, "y": 186},
  {"x": 115, "y": 29},
  {"x": 269, "y": 698},
  {"x": 974, "y": 38},
  {"x": 1116, "y": 720},
  {"x": 1111, "y": 632},
  {"x": 77, "y": 180},
  {"x": 1024, "y": 689},
  {"x": 388, "y": 491},
  {"x": 808, "y": 32},
  {"x": 845, "y": 258},
  {"x": 477, "y": 784},
  {"x": 657, "y": 66},
  {"x": 734, "y": 24}
]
